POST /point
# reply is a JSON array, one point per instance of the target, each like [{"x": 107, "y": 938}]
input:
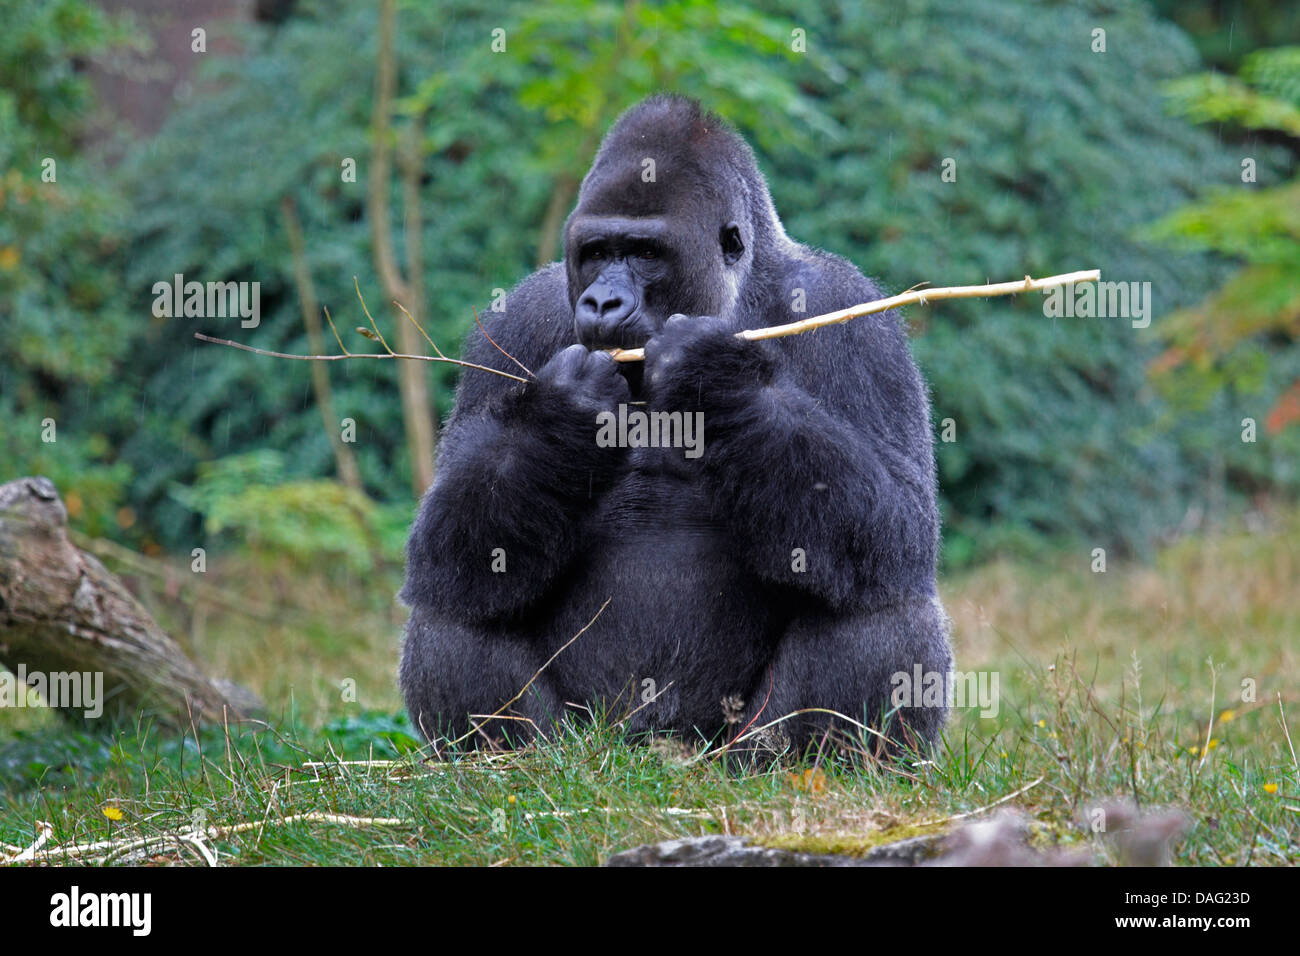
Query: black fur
[{"x": 819, "y": 441}]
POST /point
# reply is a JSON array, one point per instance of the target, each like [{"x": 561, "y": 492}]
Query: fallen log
[{"x": 67, "y": 624}]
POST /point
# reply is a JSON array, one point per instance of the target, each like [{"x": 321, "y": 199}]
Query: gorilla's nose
[
  {"x": 601, "y": 318},
  {"x": 606, "y": 304}
]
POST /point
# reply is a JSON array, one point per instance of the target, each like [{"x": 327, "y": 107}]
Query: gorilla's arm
[
  {"x": 517, "y": 464},
  {"x": 819, "y": 442}
]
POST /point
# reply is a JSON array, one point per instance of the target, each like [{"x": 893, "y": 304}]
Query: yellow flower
[
  {"x": 113, "y": 813},
  {"x": 1226, "y": 716},
  {"x": 1041, "y": 722},
  {"x": 510, "y": 799},
  {"x": 1214, "y": 742},
  {"x": 810, "y": 781},
  {"x": 1270, "y": 788},
  {"x": 1193, "y": 750}
]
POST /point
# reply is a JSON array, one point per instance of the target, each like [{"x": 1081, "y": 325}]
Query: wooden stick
[
  {"x": 912, "y": 296},
  {"x": 884, "y": 305}
]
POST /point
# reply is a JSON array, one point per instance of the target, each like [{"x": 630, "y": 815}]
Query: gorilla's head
[{"x": 671, "y": 218}]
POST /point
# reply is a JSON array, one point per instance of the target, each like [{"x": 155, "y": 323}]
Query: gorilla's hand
[
  {"x": 588, "y": 381},
  {"x": 697, "y": 362}
]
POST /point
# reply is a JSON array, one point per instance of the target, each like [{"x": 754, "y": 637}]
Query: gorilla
[{"x": 787, "y": 562}]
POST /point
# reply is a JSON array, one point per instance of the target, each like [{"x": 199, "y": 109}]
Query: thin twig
[
  {"x": 419, "y": 328},
  {"x": 1281, "y": 715},
  {"x": 353, "y": 355},
  {"x": 326, "y": 310},
  {"x": 795, "y": 713},
  {"x": 771, "y": 682},
  {"x": 479, "y": 323},
  {"x": 364, "y": 308},
  {"x": 124, "y": 845},
  {"x": 884, "y": 305},
  {"x": 523, "y": 690},
  {"x": 24, "y": 856},
  {"x": 912, "y": 296},
  {"x": 978, "y": 810}
]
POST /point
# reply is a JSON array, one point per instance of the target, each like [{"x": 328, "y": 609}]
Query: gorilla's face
[
  {"x": 625, "y": 270},
  {"x": 629, "y": 270}
]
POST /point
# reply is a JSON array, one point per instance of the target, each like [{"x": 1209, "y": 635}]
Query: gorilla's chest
[
  {"x": 661, "y": 498},
  {"x": 656, "y": 545}
]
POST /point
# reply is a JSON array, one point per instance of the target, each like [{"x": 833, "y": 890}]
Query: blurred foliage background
[{"x": 1067, "y": 429}]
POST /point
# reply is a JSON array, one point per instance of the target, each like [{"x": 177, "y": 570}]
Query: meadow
[{"x": 1172, "y": 684}]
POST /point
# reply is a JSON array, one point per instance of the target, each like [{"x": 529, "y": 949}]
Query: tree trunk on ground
[{"x": 62, "y": 612}]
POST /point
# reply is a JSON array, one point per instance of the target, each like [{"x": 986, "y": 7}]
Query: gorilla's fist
[
  {"x": 588, "y": 381},
  {"x": 697, "y": 361}
]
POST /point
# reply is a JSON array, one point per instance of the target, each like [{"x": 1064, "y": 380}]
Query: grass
[{"x": 1127, "y": 683}]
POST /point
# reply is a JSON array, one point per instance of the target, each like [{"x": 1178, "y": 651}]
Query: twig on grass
[
  {"x": 759, "y": 730},
  {"x": 103, "y": 850},
  {"x": 29, "y": 854},
  {"x": 498, "y": 713},
  {"x": 984, "y": 809},
  {"x": 1281, "y": 716}
]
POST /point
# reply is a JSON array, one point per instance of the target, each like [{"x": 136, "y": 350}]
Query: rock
[
  {"x": 1137, "y": 838},
  {"x": 1000, "y": 841},
  {"x": 723, "y": 851}
]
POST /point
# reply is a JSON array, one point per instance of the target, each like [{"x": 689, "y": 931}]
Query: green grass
[{"x": 1111, "y": 684}]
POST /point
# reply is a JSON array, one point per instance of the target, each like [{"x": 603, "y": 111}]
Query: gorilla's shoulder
[
  {"x": 830, "y": 270},
  {"x": 542, "y": 297},
  {"x": 533, "y": 323},
  {"x": 831, "y": 283}
]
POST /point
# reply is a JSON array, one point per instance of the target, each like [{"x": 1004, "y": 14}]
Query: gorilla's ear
[{"x": 732, "y": 247}]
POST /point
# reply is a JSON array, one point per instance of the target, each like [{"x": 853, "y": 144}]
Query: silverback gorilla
[{"x": 788, "y": 563}]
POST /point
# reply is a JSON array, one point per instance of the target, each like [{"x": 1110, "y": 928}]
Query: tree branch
[
  {"x": 772, "y": 332},
  {"x": 884, "y": 305},
  {"x": 353, "y": 355}
]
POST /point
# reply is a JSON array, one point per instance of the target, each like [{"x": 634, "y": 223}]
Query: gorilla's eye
[
  {"x": 596, "y": 254},
  {"x": 645, "y": 252}
]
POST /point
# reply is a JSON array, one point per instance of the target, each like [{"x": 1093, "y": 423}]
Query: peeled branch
[{"x": 913, "y": 296}]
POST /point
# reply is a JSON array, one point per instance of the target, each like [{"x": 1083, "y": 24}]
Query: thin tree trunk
[
  {"x": 418, "y": 413},
  {"x": 421, "y": 410},
  {"x": 548, "y": 245},
  {"x": 345, "y": 463}
]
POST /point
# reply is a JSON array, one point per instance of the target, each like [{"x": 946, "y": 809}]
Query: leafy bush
[
  {"x": 64, "y": 327},
  {"x": 305, "y": 523},
  {"x": 1243, "y": 336},
  {"x": 1063, "y": 154}
]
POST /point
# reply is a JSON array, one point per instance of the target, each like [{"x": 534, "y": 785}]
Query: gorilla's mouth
[{"x": 625, "y": 334}]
